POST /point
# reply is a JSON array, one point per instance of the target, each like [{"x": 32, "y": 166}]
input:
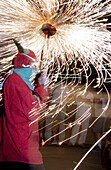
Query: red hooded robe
[{"x": 20, "y": 139}]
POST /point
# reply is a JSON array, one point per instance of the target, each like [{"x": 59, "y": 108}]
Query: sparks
[{"x": 64, "y": 30}]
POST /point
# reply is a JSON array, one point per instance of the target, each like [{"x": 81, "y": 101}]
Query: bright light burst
[
  {"x": 81, "y": 33},
  {"x": 68, "y": 32}
]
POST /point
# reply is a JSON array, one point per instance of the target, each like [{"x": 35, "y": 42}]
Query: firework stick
[
  {"x": 41, "y": 60},
  {"x": 42, "y": 53}
]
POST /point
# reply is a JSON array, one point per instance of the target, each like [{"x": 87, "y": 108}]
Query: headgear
[{"x": 25, "y": 57}]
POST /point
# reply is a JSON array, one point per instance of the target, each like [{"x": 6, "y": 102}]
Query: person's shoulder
[
  {"x": 12, "y": 80},
  {"x": 12, "y": 77}
]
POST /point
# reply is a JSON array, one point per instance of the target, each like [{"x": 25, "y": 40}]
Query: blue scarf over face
[{"x": 28, "y": 75}]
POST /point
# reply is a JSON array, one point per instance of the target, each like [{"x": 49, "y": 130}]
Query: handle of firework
[{"x": 41, "y": 61}]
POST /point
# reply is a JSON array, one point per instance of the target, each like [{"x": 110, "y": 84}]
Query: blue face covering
[{"x": 28, "y": 75}]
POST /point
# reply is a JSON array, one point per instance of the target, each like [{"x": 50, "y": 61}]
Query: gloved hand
[{"x": 43, "y": 79}]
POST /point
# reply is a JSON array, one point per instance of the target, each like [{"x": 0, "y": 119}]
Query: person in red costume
[{"x": 19, "y": 149}]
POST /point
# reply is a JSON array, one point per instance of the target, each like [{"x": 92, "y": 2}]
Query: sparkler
[{"x": 65, "y": 32}]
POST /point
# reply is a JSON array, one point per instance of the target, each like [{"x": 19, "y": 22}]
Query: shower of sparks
[
  {"x": 81, "y": 33},
  {"x": 81, "y": 40}
]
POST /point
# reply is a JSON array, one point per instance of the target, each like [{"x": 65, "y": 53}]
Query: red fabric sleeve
[
  {"x": 19, "y": 99},
  {"x": 41, "y": 92}
]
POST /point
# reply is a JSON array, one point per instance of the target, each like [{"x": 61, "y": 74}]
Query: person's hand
[
  {"x": 43, "y": 79},
  {"x": 36, "y": 81}
]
